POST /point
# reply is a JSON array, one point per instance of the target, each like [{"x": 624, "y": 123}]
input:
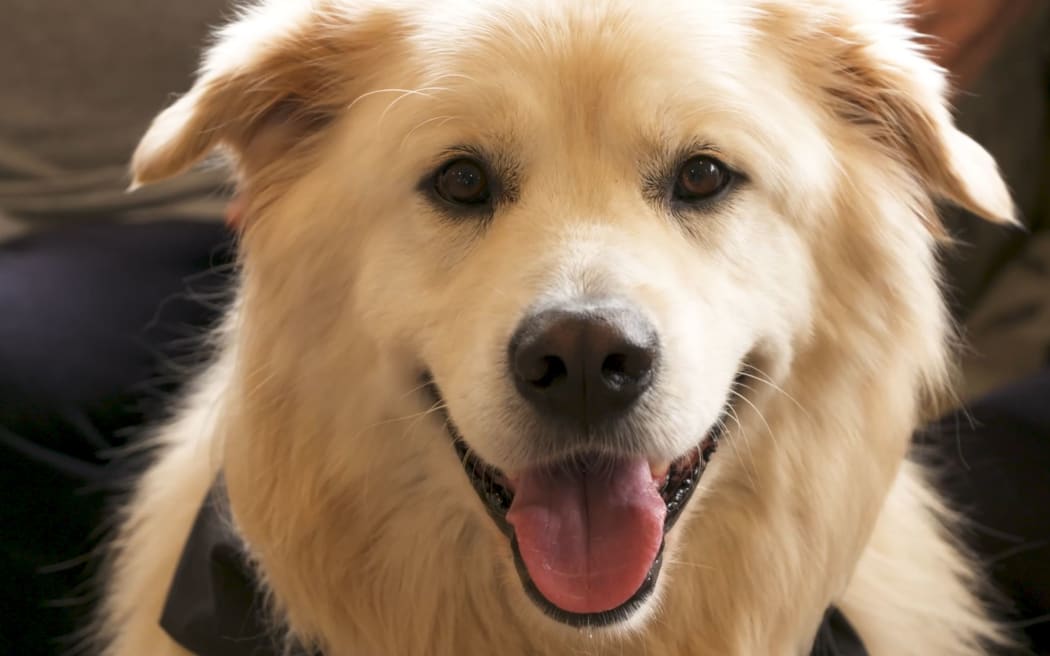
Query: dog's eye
[
  {"x": 463, "y": 181},
  {"x": 701, "y": 178}
]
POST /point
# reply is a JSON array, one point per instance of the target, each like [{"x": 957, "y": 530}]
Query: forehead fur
[{"x": 615, "y": 80}]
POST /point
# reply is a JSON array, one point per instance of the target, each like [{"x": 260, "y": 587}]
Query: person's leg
[
  {"x": 995, "y": 456},
  {"x": 98, "y": 325}
]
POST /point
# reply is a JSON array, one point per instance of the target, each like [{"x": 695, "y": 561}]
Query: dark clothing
[
  {"x": 995, "y": 459},
  {"x": 98, "y": 325}
]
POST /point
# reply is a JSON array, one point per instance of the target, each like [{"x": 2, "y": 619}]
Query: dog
[{"x": 571, "y": 327}]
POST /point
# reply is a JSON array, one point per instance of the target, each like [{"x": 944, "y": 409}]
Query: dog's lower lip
[{"x": 677, "y": 479}]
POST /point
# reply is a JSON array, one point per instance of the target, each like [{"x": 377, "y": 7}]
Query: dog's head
[{"x": 602, "y": 237}]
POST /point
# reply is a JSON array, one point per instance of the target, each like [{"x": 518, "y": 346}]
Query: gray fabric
[
  {"x": 79, "y": 82},
  {"x": 1008, "y": 334},
  {"x": 1008, "y": 112},
  {"x": 1000, "y": 278}
]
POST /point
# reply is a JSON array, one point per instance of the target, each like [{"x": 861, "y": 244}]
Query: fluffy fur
[{"x": 819, "y": 270}]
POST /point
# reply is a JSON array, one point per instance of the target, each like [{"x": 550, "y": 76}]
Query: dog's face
[
  {"x": 578, "y": 237},
  {"x": 591, "y": 227},
  {"x": 593, "y": 232}
]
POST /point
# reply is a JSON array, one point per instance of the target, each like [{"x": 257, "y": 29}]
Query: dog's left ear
[
  {"x": 274, "y": 77},
  {"x": 881, "y": 82}
]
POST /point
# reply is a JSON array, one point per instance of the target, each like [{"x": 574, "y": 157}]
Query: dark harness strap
[{"x": 214, "y": 606}]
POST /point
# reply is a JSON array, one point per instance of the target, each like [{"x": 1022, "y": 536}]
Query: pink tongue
[{"x": 588, "y": 538}]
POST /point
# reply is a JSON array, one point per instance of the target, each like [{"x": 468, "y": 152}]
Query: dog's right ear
[{"x": 279, "y": 73}]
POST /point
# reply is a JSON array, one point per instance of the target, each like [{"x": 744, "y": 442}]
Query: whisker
[
  {"x": 763, "y": 377},
  {"x": 423, "y": 385},
  {"x": 444, "y": 119},
  {"x": 375, "y": 92},
  {"x": 758, "y": 412},
  {"x": 732, "y": 443},
  {"x": 686, "y": 563},
  {"x": 413, "y": 92}
]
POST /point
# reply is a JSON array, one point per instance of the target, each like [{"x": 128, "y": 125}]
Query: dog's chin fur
[{"x": 818, "y": 271}]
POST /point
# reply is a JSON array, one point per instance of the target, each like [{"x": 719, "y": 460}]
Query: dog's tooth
[{"x": 659, "y": 470}]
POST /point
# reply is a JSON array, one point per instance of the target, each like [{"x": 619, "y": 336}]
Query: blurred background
[{"x": 104, "y": 296}]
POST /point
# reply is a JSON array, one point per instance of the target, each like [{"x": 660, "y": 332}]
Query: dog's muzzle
[{"x": 587, "y": 518}]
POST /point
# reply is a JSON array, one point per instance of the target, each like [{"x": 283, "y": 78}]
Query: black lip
[{"x": 483, "y": 477}]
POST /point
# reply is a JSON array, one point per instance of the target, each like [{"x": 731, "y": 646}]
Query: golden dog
[{"x": 511, "y": 272}]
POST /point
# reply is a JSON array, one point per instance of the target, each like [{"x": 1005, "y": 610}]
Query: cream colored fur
[{"x": 819, "y": 271}]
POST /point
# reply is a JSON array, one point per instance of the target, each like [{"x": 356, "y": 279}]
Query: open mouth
[{"x": 587, "y": 533}]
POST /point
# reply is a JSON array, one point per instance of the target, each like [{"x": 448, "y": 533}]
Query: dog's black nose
[{"x": 584, "y": 363}]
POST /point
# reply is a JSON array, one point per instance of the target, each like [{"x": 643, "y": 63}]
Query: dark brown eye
[
  {"x": 701, "y": 178},
  {"x": 463, "y": 181}
]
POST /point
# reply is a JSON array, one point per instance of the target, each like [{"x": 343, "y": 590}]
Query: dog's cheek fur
[{"x": 865, "y": 257}]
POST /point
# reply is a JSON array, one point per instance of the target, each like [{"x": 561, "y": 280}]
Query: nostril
[
  {"x": 614, "y": 368},
  {"x": 549, "y": 370},
  {"x": 633, "y": 366}
]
